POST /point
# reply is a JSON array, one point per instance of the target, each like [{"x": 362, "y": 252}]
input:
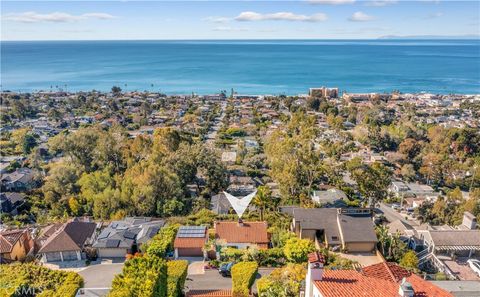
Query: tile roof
[
  {"x": 248, "y": 232},
  {"x": 8, "y": 239},
  {"x": 209, "y": 293},
  {"x": 381, "y": 279},
  {"x": 70, "y": 236},
  {"x": 183, "y": 240}
]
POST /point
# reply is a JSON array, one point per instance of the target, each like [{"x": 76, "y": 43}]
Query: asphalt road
[
  {"x": 100, "y": 275},
  {"x": 393, "y": 215},
  {"x": 213, "y": 280}
]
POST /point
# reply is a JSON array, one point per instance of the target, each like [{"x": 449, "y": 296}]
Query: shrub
[
  {"x": 141, "y": 276},
  {"x": 243, "y": 277},
  {"x": 162, "y": 243},
  {"x": 297, "y": 250},
  {"x": 409, "y": 260},
  {"x": 176, "y": 275},
  {"x": 231, "y": 254},
  {"x": 282, "y": 281},
  {"x": 52, "y": 283}
]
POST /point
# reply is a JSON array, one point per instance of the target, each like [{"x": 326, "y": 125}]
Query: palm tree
[{"x": 262, "y": 199}]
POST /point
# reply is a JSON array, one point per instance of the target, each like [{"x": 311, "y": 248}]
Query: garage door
[
  {"x": 360, "y": 247},
  {"x": 112, "y": 253},
  {"x": 190, "y": 252},
  {"x": 69, "y": 255},
  {"x": 53, "y": 257}
]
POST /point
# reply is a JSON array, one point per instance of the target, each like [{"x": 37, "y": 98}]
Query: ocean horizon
[{"x": 249, "y": 66}]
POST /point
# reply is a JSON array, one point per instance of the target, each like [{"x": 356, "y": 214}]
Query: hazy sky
[{"x": 88, "y": 20}]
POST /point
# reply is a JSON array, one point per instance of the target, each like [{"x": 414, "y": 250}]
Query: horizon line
[{"x": 460, "y": 37}]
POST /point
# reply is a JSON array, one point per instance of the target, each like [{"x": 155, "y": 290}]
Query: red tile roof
[
  {"x": 248, "y": 232},
  {"x": 376, "y": 280},
  {"x": 209, "y": 293},
  {"x": 316, "y": 257},
  {"x": 8, "y": 239}
]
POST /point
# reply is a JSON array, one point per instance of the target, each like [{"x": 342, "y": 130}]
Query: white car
[{"x": 475, "y": 265}]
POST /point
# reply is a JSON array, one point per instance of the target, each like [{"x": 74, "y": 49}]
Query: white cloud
[
  {"x": 360, "y": 17},
  {"x": 56, "y": 17},
  {"x": 229, "y": 29},
  {"x": 248, "y": 16},
  {"x": 332, "y": 2},
  {"x": 379, "y": 3},
  {"x": 217, "y": 19}
]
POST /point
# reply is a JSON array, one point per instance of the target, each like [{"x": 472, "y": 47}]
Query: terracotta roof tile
[
  {"x": 70, "y": 236},
  {"x": 248, "y": 232},
  {"x": 376, "y": 280},
  {"x": 8, "y": 239},
  {"x": 316, "y": 257}
]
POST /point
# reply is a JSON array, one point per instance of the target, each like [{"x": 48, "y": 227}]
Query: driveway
[
  {"x": 100, "y": 275},
  {"x": 211, "y": 279}
]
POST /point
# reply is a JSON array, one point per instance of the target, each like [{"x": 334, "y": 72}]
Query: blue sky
[{"x": 310, "y": 19}]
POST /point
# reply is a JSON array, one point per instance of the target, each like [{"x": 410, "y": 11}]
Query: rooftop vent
[{"x": 406, "y": 289}]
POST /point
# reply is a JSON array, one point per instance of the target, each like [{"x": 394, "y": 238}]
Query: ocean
[{"x": 248, "y": 66}]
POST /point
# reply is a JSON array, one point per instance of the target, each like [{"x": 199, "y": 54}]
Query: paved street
[
  {"x": 213, "y": 280},
  {"x": 100, "y": 275},
  {"x": 393, "y": 215}
]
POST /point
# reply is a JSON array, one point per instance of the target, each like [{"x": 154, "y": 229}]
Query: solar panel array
[
  {"x": 191, "y": 231},
  {"x": 112, "y": 243}
]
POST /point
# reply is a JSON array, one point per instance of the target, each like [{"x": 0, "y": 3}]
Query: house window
[{"x": 334, "y": 237}]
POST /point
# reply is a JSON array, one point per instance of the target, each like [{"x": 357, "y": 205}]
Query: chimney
[
  {"x": 469, "y": 220},
  {"x": 314, "y": 272},
  {"x": 405, "y": 289},
  {"x": 240, "y": 222}
]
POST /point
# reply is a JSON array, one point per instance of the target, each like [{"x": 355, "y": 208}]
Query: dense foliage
[
  {"x": 243, "y": 277},
  {"x": 33, "y": 280},
  {"x": 176, "y": 276},
  {"x": 282, "y": 282},
  {"x": 108, "y": 175},
  {"x": 162, "y": 243},
  {"x": 296, "y": 250},
  {"x": 141, "y": 276}
]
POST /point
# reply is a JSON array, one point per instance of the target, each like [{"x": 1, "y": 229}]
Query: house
[
  {"x": 210, "y": 293},
  {"x": 10, "y": 202},
  {"x": 349, "y": 229},
  {"x": 229, "y": 157},
  {"x": 401, "y": 189},
  {"x": 19, "y": 180},
  {"x": 125, "y": 237},
  {"x": 65, "y": 241},
  {"x": 190, "y": 241},
  {"x": 242, "y": 234},
  {"x": 383, "y": 279},
  {"x": 333, "y": 196},
  {"x": 15, "y": 245}
]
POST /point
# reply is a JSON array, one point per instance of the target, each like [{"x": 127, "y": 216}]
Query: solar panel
[
  {"x": 129, "y": 235},
  {"x": 112, "y": 243},
  {"x": 191, "y": 231}
]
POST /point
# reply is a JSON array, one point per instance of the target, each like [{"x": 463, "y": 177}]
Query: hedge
[
  {"x": 243, "y": 277},
  {"x": 162, "y": 243},
  {"x": 176, "y": 276},
  {"x": 16, "y": 279},
  {"x": 141, "y": 276}
]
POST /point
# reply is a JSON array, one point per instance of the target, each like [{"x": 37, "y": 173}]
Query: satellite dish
[{"x": 240, "y": 204}]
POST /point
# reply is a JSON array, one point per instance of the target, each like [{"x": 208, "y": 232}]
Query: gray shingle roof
[{"x": 455, "y": 237}]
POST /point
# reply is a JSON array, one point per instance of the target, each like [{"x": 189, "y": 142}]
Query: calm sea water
[{"x": 254, "y": 67}]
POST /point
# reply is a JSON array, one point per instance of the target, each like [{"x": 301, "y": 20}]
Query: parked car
[
  {"x": 226, "y": 269},
  {"x": 475, "y": 265},
  {"x": 396, "y": 206}
]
